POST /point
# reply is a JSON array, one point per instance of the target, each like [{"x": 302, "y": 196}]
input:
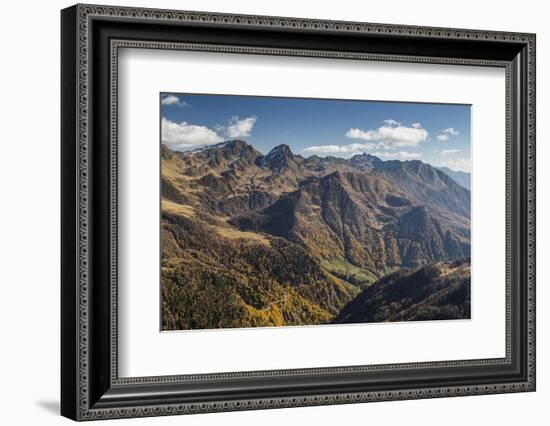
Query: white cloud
[
  {"x": 169, "y": 100},
  {"x": 449, "y": 151},
  {"x": 184, "y": 135},
  {"x": 359, "y": 148},
  {"x": 238, "y": 128},
  {"x": 401, "y": 154},
  {"x": 451, "y": 131},
  {"x": 391, "y": 134},
  {"x": 447, "y": 133},
  {"x": 458, "y": 164},
  {"x": 354, "y": 148},
  {"x": 173, "y": 100}
]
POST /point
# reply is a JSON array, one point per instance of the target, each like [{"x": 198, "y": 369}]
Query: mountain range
[
  {"x": 254, "y": 240},
  {"x": 462, "y": 178}
]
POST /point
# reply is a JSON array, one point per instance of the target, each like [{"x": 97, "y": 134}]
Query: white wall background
[{"x": 29, "y": 212}]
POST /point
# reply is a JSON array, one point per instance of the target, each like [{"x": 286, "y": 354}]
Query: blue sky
[{"x": 438, "y": 134}]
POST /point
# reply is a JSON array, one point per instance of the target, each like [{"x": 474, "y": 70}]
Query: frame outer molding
[{"x": 76, "y": 402}]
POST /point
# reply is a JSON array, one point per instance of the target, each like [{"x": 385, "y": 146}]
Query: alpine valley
[{"x": 253, "y": 240}]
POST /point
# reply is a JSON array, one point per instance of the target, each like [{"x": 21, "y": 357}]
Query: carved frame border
[{"x": 85, "y": 13}]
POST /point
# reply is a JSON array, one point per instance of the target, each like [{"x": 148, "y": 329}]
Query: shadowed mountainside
[{"x": 437, "y": 291}]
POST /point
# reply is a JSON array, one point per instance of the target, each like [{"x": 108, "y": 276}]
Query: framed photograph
[{"x": 263, "y": 212}]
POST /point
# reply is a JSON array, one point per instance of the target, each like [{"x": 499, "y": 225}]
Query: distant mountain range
[
  {"x": 462, "y": 178},
  {"x": 279, "y": 239}
]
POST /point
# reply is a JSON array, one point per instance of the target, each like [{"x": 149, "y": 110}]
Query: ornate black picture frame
[{"x": 91, "y": 36}]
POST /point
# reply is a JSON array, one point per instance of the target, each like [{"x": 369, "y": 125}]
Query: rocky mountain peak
[
  {"x": 280, "y": 158},
  {"x": 235, "y": 147},
  {"x": 282, "y": 148},
  {"x": 365, "y": 161},
  {"x": 365, "y": 157}
]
